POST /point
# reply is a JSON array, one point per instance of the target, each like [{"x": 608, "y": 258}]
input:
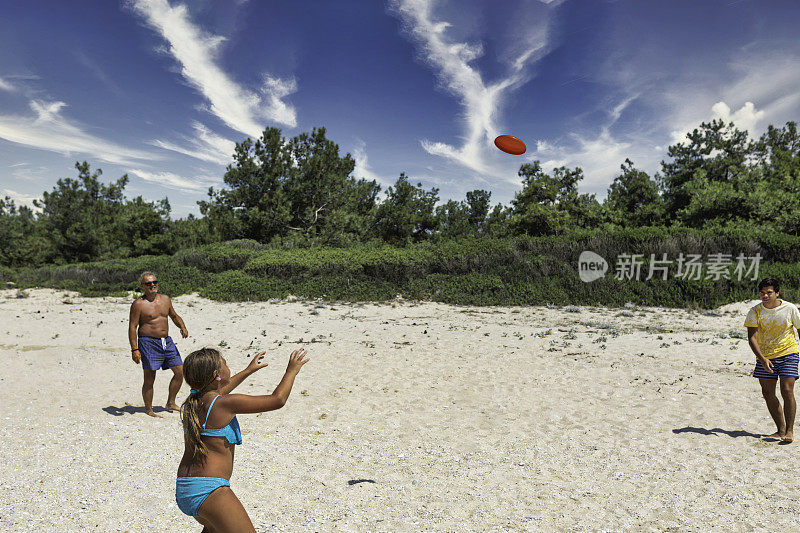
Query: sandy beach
[{"x": 410, "y": 417}]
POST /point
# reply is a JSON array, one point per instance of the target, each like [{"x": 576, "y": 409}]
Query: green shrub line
[{"x": 477, "y": 271}]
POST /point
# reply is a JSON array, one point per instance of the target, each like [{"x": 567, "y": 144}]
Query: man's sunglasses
[{"x": 150, "y": 283}]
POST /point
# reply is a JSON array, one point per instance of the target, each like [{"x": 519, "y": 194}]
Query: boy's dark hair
[{"x": 770, "y": 282}]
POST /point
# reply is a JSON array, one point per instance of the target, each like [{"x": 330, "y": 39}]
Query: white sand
[{"x": 472, "y": 426}]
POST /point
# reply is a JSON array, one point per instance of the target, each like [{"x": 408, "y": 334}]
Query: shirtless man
[{"x": 152, "y": 344}]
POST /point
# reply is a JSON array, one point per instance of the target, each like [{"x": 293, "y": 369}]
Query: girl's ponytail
[{"x": 200, "y": 369}]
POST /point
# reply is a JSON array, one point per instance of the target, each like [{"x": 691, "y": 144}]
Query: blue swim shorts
[
  {"x": 191, "y": 492},
  {"x": 158, "y": 353},
  {"x": 784, "y": 366}
]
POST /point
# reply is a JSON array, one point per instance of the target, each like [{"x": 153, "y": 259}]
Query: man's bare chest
[{"x": 153, "y": 310}]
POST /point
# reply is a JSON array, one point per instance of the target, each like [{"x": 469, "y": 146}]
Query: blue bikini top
[{"x": 230, "y": 432}]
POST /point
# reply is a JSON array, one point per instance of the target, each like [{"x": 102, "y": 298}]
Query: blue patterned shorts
[
  {"x": 784, "y": 366},
  {"x": 158, "y": 353}
]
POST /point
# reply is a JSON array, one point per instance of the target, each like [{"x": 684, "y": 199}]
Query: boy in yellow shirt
[{"x": 770, "y": 332}]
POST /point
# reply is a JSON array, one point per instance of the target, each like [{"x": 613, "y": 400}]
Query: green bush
[
  {"x": 480, "y": 271},
  {"x": 237, "y": 286},
  {"x": 105, "y": 277},
  {"x": 217, "y": 257},
  {"x": 7, "y": 274}
]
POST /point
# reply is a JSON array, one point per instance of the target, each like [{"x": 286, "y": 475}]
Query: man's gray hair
[{"x": 146, "y": 273}]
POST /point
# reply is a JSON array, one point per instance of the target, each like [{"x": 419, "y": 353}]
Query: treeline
[{"x": 300, "y": 193}]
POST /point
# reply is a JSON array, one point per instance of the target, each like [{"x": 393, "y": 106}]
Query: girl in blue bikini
[{"x": 212, "y": 432}]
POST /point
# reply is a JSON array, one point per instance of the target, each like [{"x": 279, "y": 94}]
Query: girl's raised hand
[
  {"x": 297, "y": 360},
  {"x": 255, "y": 363}
]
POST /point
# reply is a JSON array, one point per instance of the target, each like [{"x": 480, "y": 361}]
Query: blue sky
[{"x": 162, "y": 90}]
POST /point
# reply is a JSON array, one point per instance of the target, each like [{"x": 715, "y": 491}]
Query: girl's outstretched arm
[
  {"x": 255, "y": 364},
  {"x": 243, "y": 403}
]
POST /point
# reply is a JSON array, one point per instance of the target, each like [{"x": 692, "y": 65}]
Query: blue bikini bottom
[{"x": 191, "y": 492}]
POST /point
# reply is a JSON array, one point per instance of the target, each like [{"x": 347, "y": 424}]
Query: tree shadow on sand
[
  {"x": 718, "y": 431},
  {"x": 130, "y": 410}
]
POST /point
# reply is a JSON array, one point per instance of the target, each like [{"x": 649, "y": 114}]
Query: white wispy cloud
[
  {"x": 206, "y": 146},
  {"x": 683, "y": 121},
  {"x": 49, "y": 130},
  {"x": 97, "y": 71},
  {"x": 751, "y": 88},
  {"x": 451, "y": 60},
  {"x": 362, "y": 168},
  {"x": 5, "y": 85},
  {"x": 174, "y": 181},
  {"x": 599, "y": 154},
  {"x": 196, "y": 51},
  {"x": 21, "y": 199},
  {"x": 769, "y": 80},
  {"x": 600, "y": 157},
  {"x": 18, "y": 83},
  {"x": 27, "y": 172},
  {"x": 746, "y": 118}
]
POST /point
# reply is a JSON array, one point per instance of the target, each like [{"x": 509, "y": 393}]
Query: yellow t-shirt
[{"x": 776, "y": 327}]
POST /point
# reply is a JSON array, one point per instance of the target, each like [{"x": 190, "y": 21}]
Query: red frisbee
[{"x": 510, "y": 145}]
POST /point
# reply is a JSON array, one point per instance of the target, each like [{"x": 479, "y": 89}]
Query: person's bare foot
[
  {"x": 153, "y": 414},
  {"x": 789, "y": 437},
  {"x": 776, "y": 435},
  {"x": 173, "y": 407}
]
